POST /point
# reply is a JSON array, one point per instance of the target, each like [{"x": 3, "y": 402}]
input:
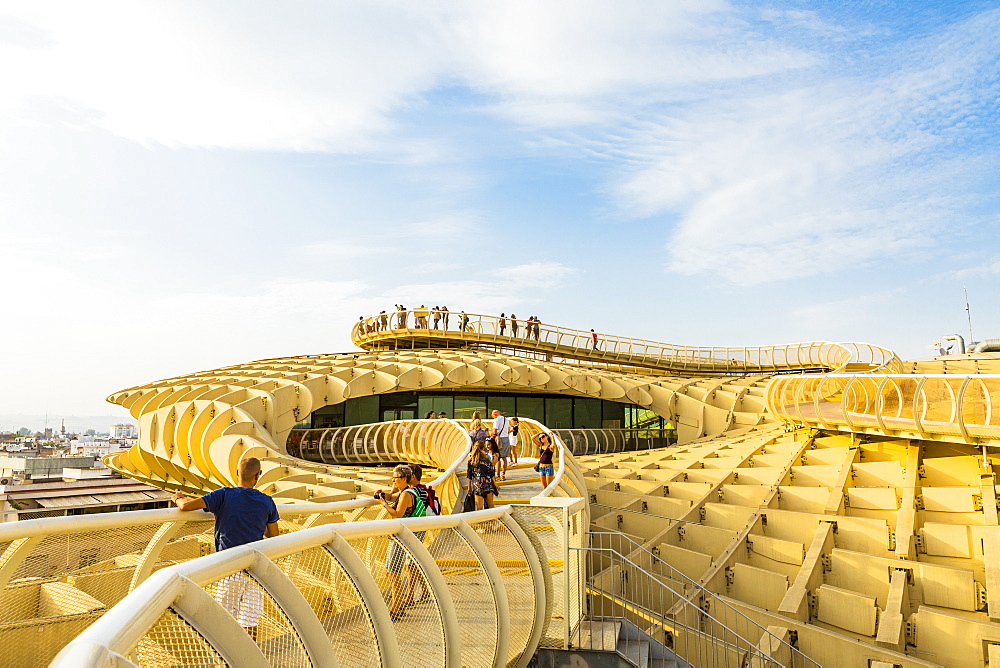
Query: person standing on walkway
[
  {"x": 515, "y": 426},
  {"x": 537, "y": 325},
  {"x": 243, "y": 514},
  {"x": 437, "y": 316},
  {"x": 513, "y": 325},
  {"x": 401, "y": 501},
  {"x": 385, "y": 321},
  {"x": 501, "y": 433},
  {"x": 502, "y": 323},
  {"x": 464, "y": 322},
  {"x": 422, "y": 314},
  {"x": 479, "y": 473},
  {"x": 593, "y": 335},
  {"x": 477, "y": 430},
  {"x": 444, "y": 316},
  {"x": 546, "y": 470}
]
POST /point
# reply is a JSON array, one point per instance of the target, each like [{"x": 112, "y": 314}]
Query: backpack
[
  {"x": 419, "y": 508},
  {"x": 478, "y": 435},
  {"x": 432, "y": 502}
]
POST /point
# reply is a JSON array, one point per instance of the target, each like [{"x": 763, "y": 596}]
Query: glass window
[
  {"x": 466, "y": 405},
  {"x": 399, "y": 400},
  {"x": 425, "y": 405},
  {"x": 532, "y": 408},
  {"x": 647, "y": 419},
  {"x": 504, "y": 403},
  {"x": 587, "y": 413},
  {"x": 614, "y": 415},
  {"x": 558, "y": 412},
  {"x": 328, "y": 416},
  {"x": 437, "y": 403},
  {"x": 362, "y": 410}
]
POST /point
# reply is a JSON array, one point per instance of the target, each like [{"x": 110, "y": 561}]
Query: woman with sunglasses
[
  {"x": 546, "y": 470},
  {"x": 400, "y": 501}
]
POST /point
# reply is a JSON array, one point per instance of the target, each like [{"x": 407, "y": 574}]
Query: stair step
[
  {"x": 636, "y": 651},
  {"x": 598, "y": 635}
]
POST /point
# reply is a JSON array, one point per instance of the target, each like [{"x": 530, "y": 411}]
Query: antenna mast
[{"x": 968, "y": 313}]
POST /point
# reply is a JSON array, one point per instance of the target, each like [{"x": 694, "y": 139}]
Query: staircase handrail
[{"x": 696, "y": 590}]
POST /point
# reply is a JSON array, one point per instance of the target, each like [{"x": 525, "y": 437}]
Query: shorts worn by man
[{"x": 243, "y": 515}]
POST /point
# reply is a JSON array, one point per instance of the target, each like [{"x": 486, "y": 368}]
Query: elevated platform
[{"x": 401, "y": 329}]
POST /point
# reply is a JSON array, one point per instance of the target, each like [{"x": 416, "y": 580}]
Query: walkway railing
[
  {"x": 170, "y": 624},
  {"x": 58, "y": 575},
  {"x": 400, "y": 327},
  {"x": 628, "y": 581},
  {"x": 964, "y": 408},
  {"x": 496, "y": 585},
  {"x": 601, "y": 441}
]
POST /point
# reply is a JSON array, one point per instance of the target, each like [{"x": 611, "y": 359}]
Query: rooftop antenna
[{"x": 968, "y": 313}]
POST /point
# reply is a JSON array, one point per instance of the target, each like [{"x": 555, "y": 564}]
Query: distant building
[
  {"x": 122, "y": 431},
  {"x": 35, "y": 487}
]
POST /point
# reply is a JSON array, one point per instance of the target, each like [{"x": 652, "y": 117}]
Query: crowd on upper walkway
[{"x": 438, "y": 318}]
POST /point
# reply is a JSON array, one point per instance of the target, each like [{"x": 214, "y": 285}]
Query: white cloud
[
  {"x": 345, "y": 251},
  {"x": 817, "y": 178},
  {"x": 331, "y": 77},
  {"x": 499, "y": 291}
]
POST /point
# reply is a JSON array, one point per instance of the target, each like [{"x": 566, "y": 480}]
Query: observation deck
[{"x": 402, "y": 329}]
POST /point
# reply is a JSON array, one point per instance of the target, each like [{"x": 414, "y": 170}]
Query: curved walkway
[{"x": 397, "y": 330}]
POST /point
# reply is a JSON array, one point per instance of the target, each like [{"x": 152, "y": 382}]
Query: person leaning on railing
[{"x": 243, "y": 514}]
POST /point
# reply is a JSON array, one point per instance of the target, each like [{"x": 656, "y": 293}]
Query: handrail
[
  {"x": 157, "y": 528},
  {"x": 114, "y": 635},
  {"x": 369, "y": 333},
  {"x": 602, "y": 441},
  {"x": 710, "y": 604},
  {"x": 955, "y": 407}
]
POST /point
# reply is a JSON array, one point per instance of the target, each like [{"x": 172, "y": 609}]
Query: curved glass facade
[{"x": 557, "y": 411}]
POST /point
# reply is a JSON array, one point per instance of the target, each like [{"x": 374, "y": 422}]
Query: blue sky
[{"x": 187, "y": 185}]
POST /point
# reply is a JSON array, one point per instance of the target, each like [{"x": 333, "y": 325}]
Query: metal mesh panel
[
  {"x": 36, "y": 642},
  {"x": 265, "y": 621},
  {"x": 60, "y": 554},
  {"x": 470, "y": 589},
  {"x": 419, "y": 630},
  {"x": 517, "y": 581},
  {"x": 337, "y": 604},
  {"x": 544, "y": 528},
  {"x": 575, "y": 571},
  {"x": 173, "y": 643}
]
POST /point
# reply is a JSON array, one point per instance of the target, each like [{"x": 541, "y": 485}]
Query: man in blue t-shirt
[{"x": 242, "y": 515}]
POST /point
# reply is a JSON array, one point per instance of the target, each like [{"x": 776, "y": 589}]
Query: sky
[{"x": 187, "y": 185}]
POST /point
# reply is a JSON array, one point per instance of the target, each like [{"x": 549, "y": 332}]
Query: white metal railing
[
  {"x": 628, "y": 581},
  {"x": 963, "y": 408},
  {"x": 83, "y": 564},
  {"x": 485, "y": 329},
  {"x": 602, "y": 441},
  {"x": 183, "y": 611}
]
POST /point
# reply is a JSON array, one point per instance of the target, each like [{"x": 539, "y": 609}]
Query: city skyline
[{"x": 191, "y": 186}]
